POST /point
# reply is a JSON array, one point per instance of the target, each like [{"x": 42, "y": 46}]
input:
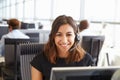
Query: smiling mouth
[{"x": 64, "y": 46}]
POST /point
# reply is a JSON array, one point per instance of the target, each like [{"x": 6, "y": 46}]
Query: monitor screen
[
  {"x": 82, "y": 73},
  {"x": 31, "y": 26},
  {"x": 24, "y": 25},
  {"x": 3, "y": 30},
  {"x": 33, "y": 35}
]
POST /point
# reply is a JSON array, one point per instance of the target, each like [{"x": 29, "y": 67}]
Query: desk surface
[{"x": 2, "y": 59}]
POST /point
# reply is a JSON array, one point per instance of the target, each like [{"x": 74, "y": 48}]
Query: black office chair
[
  {"x": 11, "y": 70},
  {"x": 93, "y": 45},
  {"x": 27, "y": 53}
]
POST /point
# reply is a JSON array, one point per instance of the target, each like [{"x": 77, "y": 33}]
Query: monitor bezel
[{"x": 60, "y": 73}]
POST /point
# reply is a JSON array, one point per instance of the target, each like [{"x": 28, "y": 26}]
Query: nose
[{"x": 64, "y": 39}]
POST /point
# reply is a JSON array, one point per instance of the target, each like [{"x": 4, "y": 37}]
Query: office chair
[
  {"x": 11, "y": 70},
  {"x": 27, "y": 53},
  {"x": 93, "y": 45}
]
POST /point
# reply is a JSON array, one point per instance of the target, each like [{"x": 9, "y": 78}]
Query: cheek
[
  {"x": 72, "y": 40},
  {"x": 56, "y": 40}
]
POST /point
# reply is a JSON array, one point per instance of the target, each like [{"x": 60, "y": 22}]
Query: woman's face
[{"x": 64, "y": 38}]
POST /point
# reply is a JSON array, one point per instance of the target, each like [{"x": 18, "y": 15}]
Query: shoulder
[
  {"x": 87, "y": 59},
  {"x": 5, "y": 36},
  {"x": 39, "y": 59},
  {"x": 88, "y": 56},
  {"x": 21, "y": 34}
]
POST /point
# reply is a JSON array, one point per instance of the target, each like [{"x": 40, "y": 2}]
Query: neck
[{"x": 63, "y": 54}]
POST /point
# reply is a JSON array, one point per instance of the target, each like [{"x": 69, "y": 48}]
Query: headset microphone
[{"x": 74, "y": 47}]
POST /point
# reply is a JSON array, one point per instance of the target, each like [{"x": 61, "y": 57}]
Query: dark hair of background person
[
  {"x": 50, "y": 48},
  {"x": 14, "y": 23},
  {"x": 84, "y": 24}
]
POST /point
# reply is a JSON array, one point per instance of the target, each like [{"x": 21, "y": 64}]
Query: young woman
[{"x": 61, "y": 50}]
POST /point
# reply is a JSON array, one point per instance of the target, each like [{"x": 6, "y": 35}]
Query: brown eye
[{"x": 69, "y": 34}]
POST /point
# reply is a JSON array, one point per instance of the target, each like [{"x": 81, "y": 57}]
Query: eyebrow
[{"x": 67, "y": 32}]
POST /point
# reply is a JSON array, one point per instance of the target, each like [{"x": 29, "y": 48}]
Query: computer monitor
[
  {"x": 24, "y": 25},
  {"x": 33, "y": 35},
  {"x": 3, "y": 30},
  {"x": 31, "y": 26},
  {"x": 82, "y": 73}
]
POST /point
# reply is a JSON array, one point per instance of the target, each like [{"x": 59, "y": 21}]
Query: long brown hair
[{"x": 50, "y": 49}]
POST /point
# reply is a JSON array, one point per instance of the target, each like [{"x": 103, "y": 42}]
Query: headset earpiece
[{"x": 77, "y": 37}]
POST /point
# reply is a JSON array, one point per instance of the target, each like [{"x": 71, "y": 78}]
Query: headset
[
  {"x": 77, "y": 36},
  {"x": 77, "y": 39}
]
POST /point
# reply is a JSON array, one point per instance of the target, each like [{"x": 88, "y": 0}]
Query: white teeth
[{"x": 63, "y": 45}]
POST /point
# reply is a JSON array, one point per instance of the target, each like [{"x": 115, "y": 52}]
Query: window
[
  {"x": 29, "y": 10},
  {"x": 43, "y": 9},
  {"x": 20, "y": 10},
  {"x": 67, "y": 7}
]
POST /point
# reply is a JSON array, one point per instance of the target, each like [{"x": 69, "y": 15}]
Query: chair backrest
[
  {"x": 10, "y": 49},
  {"x": 93, "y": 45},
  {"x": 12, "y": 57},
  {"x": 25, "y": 66},
  {"x": 27, "y": 53}
]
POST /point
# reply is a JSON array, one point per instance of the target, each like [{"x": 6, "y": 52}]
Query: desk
[
  {"x": 2, "y": 59},
  {"x": 113, "y": 57}
]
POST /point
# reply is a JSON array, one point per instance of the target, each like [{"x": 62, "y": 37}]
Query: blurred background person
[
  {"x": 13, "y": 25},
  {"x": 83, "y": 25},
  {"x": 84, "y": 29}
]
